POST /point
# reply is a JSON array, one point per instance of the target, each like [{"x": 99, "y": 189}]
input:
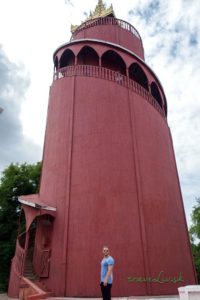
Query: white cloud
[{"x": 14, "y": 82}]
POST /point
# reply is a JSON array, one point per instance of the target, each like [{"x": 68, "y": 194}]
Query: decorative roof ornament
[
  {"x": 100, "y": 12},
  {"x": 99, "y": 8}
]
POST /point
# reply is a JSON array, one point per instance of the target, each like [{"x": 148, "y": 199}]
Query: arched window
[
  {"x": 88, "y": 56},
  {"x": 112, "y": 60},
  {"x": 22, "y": 229},
  {"x": 165, "y": 108},
  {"x": 56, "y": 64},
  {"x": 137, "y": 74},
  {"x": 67, "y": 59},
  {"x": 156, "y": 93}
]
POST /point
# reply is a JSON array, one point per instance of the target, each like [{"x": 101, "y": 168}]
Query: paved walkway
[
  {"x": 5, "y": 297},
  {"x": 124, "y": 298}
]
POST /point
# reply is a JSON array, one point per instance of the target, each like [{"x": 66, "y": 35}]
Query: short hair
[{"x": 105, "y": 247}]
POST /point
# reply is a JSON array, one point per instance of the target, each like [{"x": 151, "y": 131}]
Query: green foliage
[
  {"x": 195, "y": 228},
  {"x": 195, "y": 236},
  {"x": 196, "y": 255},
  {"x": 16, "y": 180}
]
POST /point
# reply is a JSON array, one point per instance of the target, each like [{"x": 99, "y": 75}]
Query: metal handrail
[{"x": 18, "y": 259}]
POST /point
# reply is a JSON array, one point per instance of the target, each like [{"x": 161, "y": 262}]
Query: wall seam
[
  {"x": 68, "y": 194},
  {"x": 139, "y": 195}
]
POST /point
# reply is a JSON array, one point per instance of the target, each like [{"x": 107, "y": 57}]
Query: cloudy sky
[{"x": 31, "y": 30}]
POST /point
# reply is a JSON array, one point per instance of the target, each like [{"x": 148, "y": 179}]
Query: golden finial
[
  {"x": 100, "y": 11},
  {"x": 99, "y": 8}
]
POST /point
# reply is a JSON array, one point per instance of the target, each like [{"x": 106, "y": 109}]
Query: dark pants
[{"x": 106, "y": 291}]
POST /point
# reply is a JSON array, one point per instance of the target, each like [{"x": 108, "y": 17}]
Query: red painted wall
[{"x": 109, "y": 168}]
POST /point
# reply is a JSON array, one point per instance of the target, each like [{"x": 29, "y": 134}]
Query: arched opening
[
  {"x": 112, "y": 60},
  {"x": 67, "y": 59},
  {"x": 42, "y": 245},
  {"x": 56, "y": 64},
  {"x": 30, "y": 242},
  {"x": 38, "y": 251},
  {"x": 137, "y": 74},
  {"x": 88, "y": 56},
  {"x": 22, "y": 229},
  {"x": 156, "y": 93},
  {"x": 165, "y": 108}
]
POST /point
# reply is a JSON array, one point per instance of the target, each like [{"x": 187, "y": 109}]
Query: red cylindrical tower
[{"x": 109, "y": 169}]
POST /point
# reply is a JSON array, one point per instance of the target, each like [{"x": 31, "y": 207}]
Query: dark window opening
[
  {"x": 67, "y": 59},
  {"x": 111, "y": 60},
  {"x": 156, "y": 93},
  {"x": 137, "y": 74},
  {"x": 56, "y": 64},
  {"x": 88, "y": 56},
  {"x": 22, "y": 229},
  {"x": 165, "y": 108}
]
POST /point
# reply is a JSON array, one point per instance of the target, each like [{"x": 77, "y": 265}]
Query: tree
[
  {"x": 16, "y": 180},
  {"x": 195, "y": 237}
]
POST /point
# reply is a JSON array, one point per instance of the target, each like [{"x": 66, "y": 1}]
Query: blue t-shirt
[{"x": 109, "y": 261}]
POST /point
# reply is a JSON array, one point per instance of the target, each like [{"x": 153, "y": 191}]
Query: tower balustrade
[{"x": 107, "y": 74}]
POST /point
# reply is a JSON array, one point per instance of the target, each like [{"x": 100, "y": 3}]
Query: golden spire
[
  {"x": 100, "y": 11},
  {"x": 100, "y": 8}
]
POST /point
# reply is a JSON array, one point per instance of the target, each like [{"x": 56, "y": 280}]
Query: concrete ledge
[{"x": 189, "y": 292}]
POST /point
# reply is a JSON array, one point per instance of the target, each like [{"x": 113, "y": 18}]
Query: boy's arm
[{"x": 110, "y": 269}]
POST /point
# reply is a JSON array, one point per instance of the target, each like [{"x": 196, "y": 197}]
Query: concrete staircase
[
  {"x": 28, "y": 270},
  {"x": 33, "y": 282}
]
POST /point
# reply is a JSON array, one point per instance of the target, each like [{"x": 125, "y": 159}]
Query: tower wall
[
  {"x": 110, "y": 170},
  {"x": 112, "y": 30}
]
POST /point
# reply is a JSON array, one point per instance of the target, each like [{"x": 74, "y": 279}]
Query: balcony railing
[
  {"x": 107, "y": 21},
  {"x": 103, "y": 73},
  {"x": 41, "y": 261}
]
